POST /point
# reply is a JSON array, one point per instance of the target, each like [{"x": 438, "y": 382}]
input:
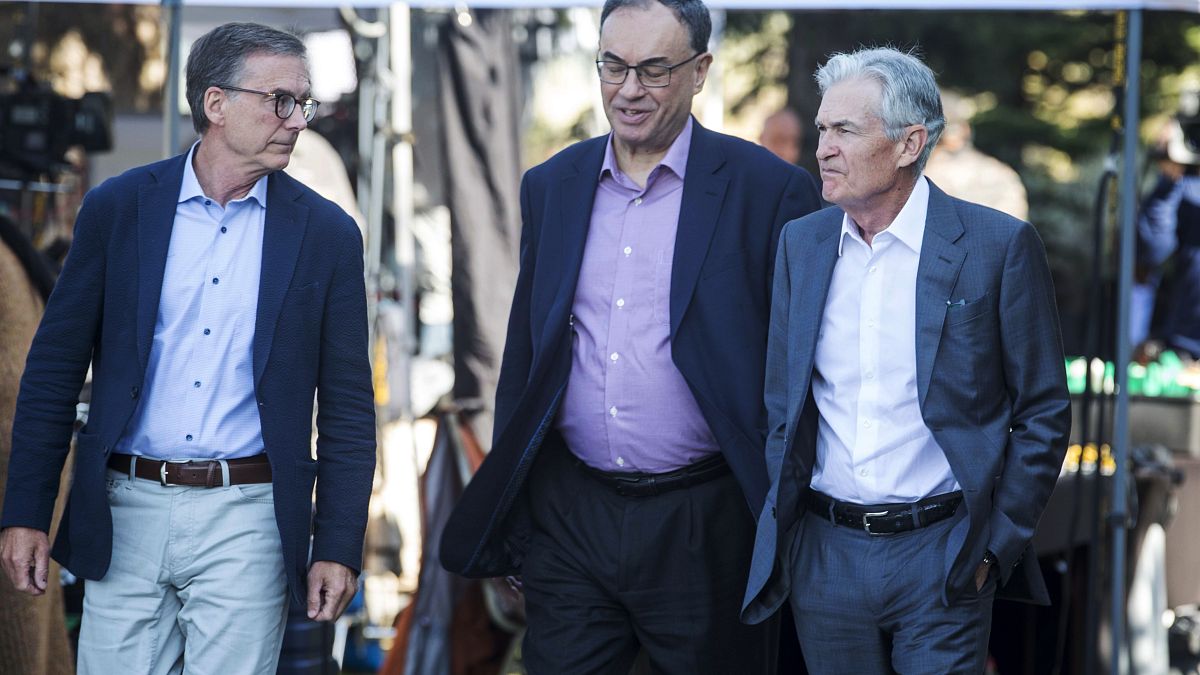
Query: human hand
[
  {"x": 981, "y": 575},
  {"x": 331, "y": 586},
  {"x": 25, "y": 557}
]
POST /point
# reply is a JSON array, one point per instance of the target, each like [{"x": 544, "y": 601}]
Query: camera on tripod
[{"x": 38, "y": 126}]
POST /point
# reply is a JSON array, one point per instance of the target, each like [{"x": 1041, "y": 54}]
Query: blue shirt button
[
  {"x": 224, "y": 229},
  {"x": 196, "y": 384},
  {"x": 189, "y": 437},
  {"x": 216, "y": 280},
  {"x": 207, "y": 331}
]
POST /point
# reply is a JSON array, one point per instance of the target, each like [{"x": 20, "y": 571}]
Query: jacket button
[{"x": 134, "y": 391}]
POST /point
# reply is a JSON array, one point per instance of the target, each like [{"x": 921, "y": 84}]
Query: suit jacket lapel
[
  {"x": 937, "y": 272},
  {"x": 575, "y": 197},
  {"x": 812, "y": 289},
  {"x": 283, "y": 232},
  {"x": 156, "y": 218},
  {"x": 699, "y": 210}
]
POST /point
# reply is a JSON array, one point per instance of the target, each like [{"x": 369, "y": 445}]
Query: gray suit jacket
[{"x": 990, "y": 378}]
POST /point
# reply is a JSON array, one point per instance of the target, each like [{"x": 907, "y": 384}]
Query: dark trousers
[
  {"x": 607, "y": 575},
  {"x": 869, "y": 605}
]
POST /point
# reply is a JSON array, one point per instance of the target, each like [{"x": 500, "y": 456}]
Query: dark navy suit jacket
[
  {"x": 736, "y": 197},
  {"x": 990, "y": 379},
  {"x": 310, "y": 335}
]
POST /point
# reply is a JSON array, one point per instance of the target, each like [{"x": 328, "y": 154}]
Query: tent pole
[
  {"x": 174, "y": 10},
  {"x": 1119, "y": 516}
]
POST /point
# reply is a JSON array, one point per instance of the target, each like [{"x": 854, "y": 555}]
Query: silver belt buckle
[
  {"x": 162, "y": 470},
  {"x": 867, "y": 524}
]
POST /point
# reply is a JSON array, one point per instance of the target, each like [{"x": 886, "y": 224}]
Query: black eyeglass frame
[
  {"x": 639, "y": 69},
  {"x": 281, "y": 102}
]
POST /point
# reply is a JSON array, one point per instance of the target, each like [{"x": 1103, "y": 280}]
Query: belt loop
[
  {"x": 916, "y": 515},
  {"x": 832, "y": 515},
  {"x": 224, "y": 473},
  {"x": 132, "y": 466}
]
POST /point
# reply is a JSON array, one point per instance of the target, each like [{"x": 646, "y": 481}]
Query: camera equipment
[{"x": 38, "y": 126}]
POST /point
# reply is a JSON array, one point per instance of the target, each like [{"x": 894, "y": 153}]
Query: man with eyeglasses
[
  {"x": 213, "y": 297},
  {"x": 628, "y": 455}
]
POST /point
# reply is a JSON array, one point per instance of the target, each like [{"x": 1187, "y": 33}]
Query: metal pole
[
  {"x": 1119, "y": 515},
  {"x": 174, "y": 10}
]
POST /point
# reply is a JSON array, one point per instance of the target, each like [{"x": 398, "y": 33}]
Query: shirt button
[
  {"x": 196, "y": 384},
  {"x": 620, "y": 461},
  {"x": 870, "y": 374},
  {"x": 612, "y": 412},
  {"x": 628, "y": 250},
  {"x": 216, "y": 280},
  {"x": 188, "y": 437},
  {"x": 225, "y": 229},
  {"x": 862, "y": 472},
  {"x": 870, "y": 322},
  {"x": 208, "y": 202},
  {"x": 872, "y": 270},
  {"x": 637, "y": 202},
  {"x": 620, "y": 302},
  {"x": 867, "y": 423},
  {"x": 207, "y": 331},
  {"x": 614, "y": 356}
]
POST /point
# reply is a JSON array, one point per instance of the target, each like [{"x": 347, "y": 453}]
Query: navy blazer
[
  {"x": 990, "y": 380},
  {"x": 310, "y": 336},
  {"x": 736, "y": 197}
]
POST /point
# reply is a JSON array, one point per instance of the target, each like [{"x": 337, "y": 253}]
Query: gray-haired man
[
  {"x": 213, "y": 296},
  {"x": 917, "y": 403}
]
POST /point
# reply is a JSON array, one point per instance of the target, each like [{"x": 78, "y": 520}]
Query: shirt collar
[
  {"x": 190, "y": 188},
  {"x": 675, "y": 159},
  {"x": 908, "y": 226}
]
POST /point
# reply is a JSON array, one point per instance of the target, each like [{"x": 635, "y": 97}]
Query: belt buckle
[
  {"x": 867, "y": 524},
  {"x": 162, "y": 471}
]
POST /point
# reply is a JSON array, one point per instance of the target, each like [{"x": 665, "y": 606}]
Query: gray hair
[
  {"x": 693, "y": 14},
  {"x": 218, "y": 57},
  {"x": 910, "y": 91}
]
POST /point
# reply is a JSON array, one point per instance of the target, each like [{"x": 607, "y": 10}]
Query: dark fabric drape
[{"x": 479, "y": 94}]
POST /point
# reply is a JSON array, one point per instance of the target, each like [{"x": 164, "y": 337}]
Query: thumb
[
  {"x": 41, "y": 570},
  {"x": 315, "y": 585}
]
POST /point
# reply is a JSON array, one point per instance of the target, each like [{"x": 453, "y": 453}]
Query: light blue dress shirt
[{"x": 198, "y": 397}]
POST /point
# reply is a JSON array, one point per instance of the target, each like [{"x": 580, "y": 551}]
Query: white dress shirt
[
  {"x": 198, "y": 396},
  {"x": 872, "y": 445}
]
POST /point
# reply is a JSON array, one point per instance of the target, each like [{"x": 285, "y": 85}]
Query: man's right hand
[{"x": 25, "y": 557}]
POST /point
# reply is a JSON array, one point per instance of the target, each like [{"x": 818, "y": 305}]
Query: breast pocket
[
  {"x": 959, "y": 314},
  {"x": 662, "y": 293}
]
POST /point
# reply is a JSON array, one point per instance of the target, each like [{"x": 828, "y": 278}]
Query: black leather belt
[
  {"x": 197, "y": 473},
  {"x": 884, "y": 518},
  {"x": 629, "y": 484}
]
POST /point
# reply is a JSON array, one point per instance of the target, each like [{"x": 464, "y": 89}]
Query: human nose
[
  {"x": 825, "y": 147},
  {"x": 632, "y": 87},
  {"x": 296, "y": 121}
]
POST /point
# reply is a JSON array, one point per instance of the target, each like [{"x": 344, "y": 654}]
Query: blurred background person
[
  {"x": 1166, "y": 306},
  {"x": 783, "y": 134},
  {"x": 961, "y": 170}
]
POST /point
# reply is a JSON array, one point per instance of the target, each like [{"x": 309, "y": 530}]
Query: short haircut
[
  {"x": 910, "y": 91},
  {"x": 693, "y": 14},
  {"x": 219, "y": 56}
]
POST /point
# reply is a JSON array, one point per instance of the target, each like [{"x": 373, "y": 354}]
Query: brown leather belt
[{"x": 197, "y": 473}]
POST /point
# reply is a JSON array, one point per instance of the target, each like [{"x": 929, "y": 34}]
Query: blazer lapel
[
  {"x": 575, "y": 197},
  {"x": 937, "y": 272},
  {"x": 812, "y": 289},
  {"x": 156, "y": 218},
  {"x": 283, "y": 232},
  {"x": 699, "y": 209}
]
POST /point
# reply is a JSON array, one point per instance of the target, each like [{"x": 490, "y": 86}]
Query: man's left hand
[
  {"x": 330, "y": 587},
  {"x": 981, "y": 575}
]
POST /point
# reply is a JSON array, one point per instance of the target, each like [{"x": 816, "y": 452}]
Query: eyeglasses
[
  {"x": 650, "y": 75},
  {"x": 285, "y": 104}
]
